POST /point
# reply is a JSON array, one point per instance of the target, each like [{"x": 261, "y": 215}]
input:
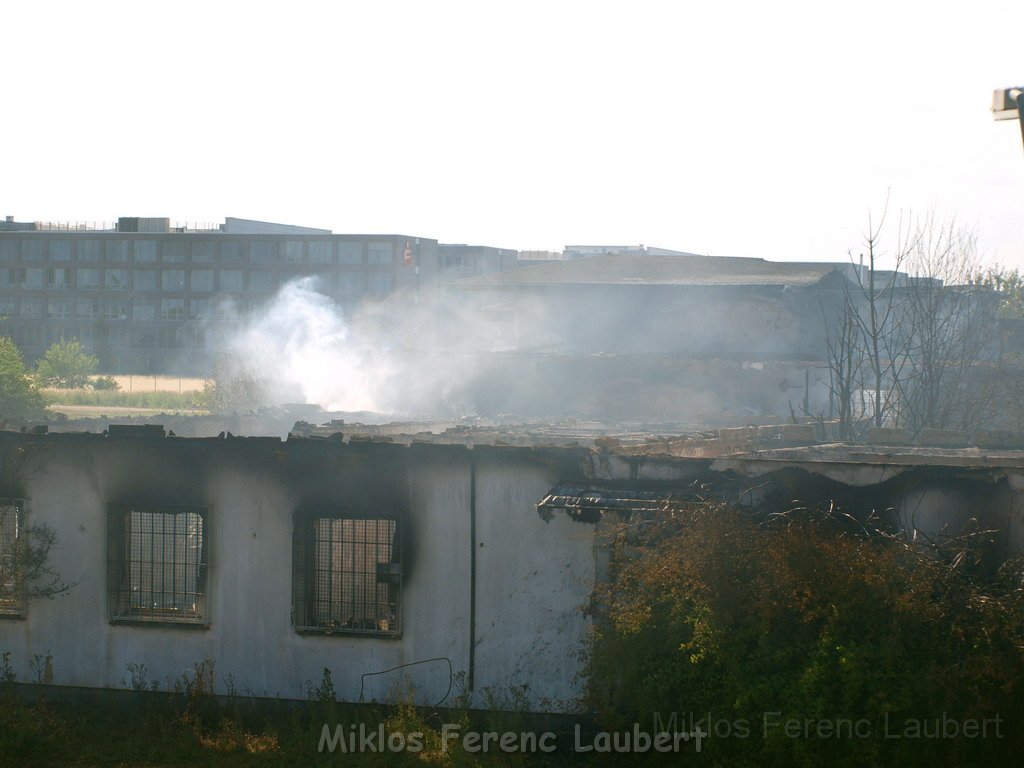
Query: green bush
[
  {"x": 19, "y": 395},
  {"x": 105, "y": 383},
  {"x": 719, "y": 615},
  {"x": 66, "y": 364},
  {"x": 232, "y": 389}
]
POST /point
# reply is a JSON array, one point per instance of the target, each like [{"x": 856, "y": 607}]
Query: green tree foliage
[
  {"x": 1009, "y": 284},
  {"x": 66, "y": 365},
  {"x": 19, "y": 396},
  {"x": 710, "y": 612},
  {"x": 26, "y": 573}
]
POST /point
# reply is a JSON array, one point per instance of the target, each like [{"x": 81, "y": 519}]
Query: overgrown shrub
[
  {"x": 105, "y": 383},
  {"x": 19, "y": 395},
  {"x": 229, "y": 392},
  {"x": 715, "y": 615},
  {"x": 66, "y": 364}
]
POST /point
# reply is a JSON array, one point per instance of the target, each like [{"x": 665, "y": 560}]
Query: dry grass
[
  {"x": 129, "y": 382},
  {"x": 113, "y": 411},
  {"x": 91, "y": 403},
  {"x": 231, "y": 737}
]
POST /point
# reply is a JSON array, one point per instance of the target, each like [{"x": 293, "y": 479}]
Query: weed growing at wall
[
  {"x": 139, "y": 680},
  {"x": 41, "y": 666},
  {"x": 7, "y": 676},
  {"x": 189, "y": 724}
]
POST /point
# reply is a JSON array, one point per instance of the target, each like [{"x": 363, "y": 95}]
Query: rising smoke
[
  {"x": 607, "y": 353},
  {"x": 403, "y": 355}
]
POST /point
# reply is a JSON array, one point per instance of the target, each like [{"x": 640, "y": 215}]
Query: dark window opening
[
  {"x": 348, "y": 575},
  {"x": 157, "y": 565}
]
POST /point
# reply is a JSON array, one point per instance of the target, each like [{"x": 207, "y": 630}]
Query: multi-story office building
[{"x": 155, "y": 300}]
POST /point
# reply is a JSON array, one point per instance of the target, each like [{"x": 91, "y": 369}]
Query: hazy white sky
[{"x": 733, "y": 128}]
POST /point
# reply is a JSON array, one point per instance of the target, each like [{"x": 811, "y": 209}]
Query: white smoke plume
[{"x": 399, "y": 356}]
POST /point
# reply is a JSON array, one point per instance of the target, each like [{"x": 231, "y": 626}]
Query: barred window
[
  {"x": 156, "y": 563},
  {"x": 11, "y": 521},
  {"x": 348, "y": 575}
]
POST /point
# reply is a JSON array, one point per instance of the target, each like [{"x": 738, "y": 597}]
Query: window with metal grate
[
  {"x": 157, "y": 563},
  {"x": 11, "y": 522},
  {"x": 347, "y": 574}
]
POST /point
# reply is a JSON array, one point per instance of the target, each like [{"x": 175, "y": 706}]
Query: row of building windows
[
  {"x": 347, "y": 572},
  {"x": 200, "y": 280},
  {"x": 37, "y": 337},
  {"x": 469, "y": 264},
  {"x": 35, "y": 308},
  {"x": 198, "y": 250}
]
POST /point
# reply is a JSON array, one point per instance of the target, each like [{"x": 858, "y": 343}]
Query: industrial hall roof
[{"x": 647, "y": 269}]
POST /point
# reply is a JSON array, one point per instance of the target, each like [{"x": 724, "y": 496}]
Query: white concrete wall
[
  {"x": 531, "y": 593},
  {"x": 533, "y": 578}
]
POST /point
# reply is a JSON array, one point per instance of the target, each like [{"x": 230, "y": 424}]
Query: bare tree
[
  {"x": 877, "y": 298},
  {"x": 925, "y": 349},
  {"x": 948, "y": 329},
  {"x": 845, "y": 361}
]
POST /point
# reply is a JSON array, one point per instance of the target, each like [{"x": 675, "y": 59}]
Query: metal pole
[{"x": 1020, "y": 111}]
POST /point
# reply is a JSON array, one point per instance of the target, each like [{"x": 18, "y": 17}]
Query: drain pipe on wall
[{"x": 471, "y": 674}]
